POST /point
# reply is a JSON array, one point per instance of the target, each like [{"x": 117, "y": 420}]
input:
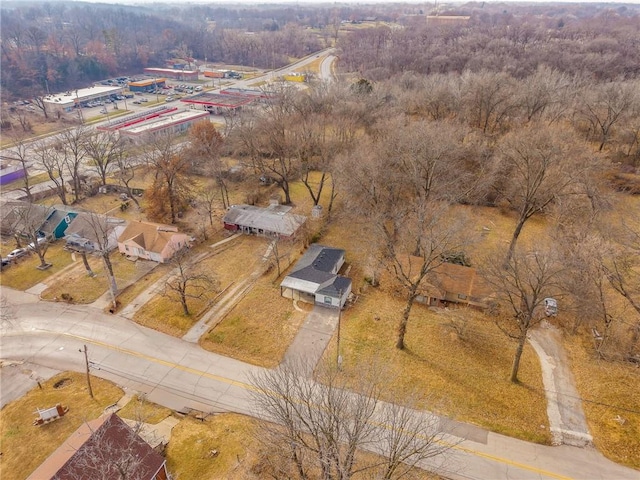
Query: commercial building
[
  {"x": 148, "y": 85},
  {"x": 65, "y": 102},
  {"x": 175, "y": 121},
  {"x": 218, "y": 103},
  {"x": 178, "y": 74}
]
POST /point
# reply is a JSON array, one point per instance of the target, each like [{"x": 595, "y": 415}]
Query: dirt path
[{"x": 564, "y": 405}]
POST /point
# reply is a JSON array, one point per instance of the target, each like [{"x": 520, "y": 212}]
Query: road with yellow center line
[{"x": 157, "y": 364}]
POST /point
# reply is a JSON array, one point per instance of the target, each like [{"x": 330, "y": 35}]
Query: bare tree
[
  {"x": 320, "y": 426},
  {"x": 265, "y": 136},
  {"x": 28, "y": 222},
  {"x": 403, "y": 184},
  {"x": 187, "y": 283},
  {"x": 126, "y": 171},
  {"x": 103, "y": 149},
  {"x": 54, "y": 163},
  {"x": 71, "y": 145},
  {"x": 205, "y": 150},
  {"x": 100, "y": 231},
  {"x": 22, "y": 150},
  {"x": 171, "y": 186},
  {"x": 606, "y": 105},
  {"x": 521, "y": 285},
  {"x": 621, "y": 271},
  {"x": 534, "y": 167}
]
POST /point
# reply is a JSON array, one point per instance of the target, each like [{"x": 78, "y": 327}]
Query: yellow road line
[{"x": 495, "y": 458}]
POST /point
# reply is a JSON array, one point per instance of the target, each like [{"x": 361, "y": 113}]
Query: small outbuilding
[{"x": 315, "y": 279}]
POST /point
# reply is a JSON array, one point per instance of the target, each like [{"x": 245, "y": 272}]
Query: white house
[{"x": 314, "y": 279}]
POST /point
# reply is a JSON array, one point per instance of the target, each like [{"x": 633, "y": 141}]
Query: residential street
[{"x": 180, "y": 375}]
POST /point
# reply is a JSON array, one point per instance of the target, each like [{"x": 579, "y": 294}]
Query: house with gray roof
[
  {"x": 90, "y": 232},
  {"x": 271, "y": 221},
  {"x": 314, "y": 278}
]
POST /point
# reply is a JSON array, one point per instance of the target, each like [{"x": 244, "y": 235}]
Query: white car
[
  {"x": 17, "y": 253},
  {"x": 550, "y": 307},
  {"x": 41, "y": 241}
]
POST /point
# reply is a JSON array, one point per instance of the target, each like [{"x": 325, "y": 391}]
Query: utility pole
[
  {"x": 338, "y": 356},
  {"x": 86, "y": 361}
]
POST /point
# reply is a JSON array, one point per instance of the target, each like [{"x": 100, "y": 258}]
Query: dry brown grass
[
  {"x": 232, "y": 436},
  {"x": 86, "y": 289},
  {"x": 24, "y": 446},
  {"x": 23, "y": 274},
  {"x": 467, "y": 380},
  {"x": 259, "y": 329},
  {"x": 165, "y": 314},
  {"x": 140, "y": 410},
  {"x": 132, "y": 291},
  {"x": 611, "y": 401}
]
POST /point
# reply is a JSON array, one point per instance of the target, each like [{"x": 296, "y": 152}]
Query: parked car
[
  {"x": 550, "y": 307},
  {"x": 17, "y": 253},
  {"x": 5, "y": 263},
  {"x": 136, "y": 102},
  {"x": 144, "y": 100},
  {"x": 41, "y": 241}
]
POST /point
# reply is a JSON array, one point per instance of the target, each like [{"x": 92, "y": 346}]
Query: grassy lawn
[
  {"x": 165, "y": 314},
  {"x": 259, "y": 329},
  {"x": 86, "y": 289},
  {"x": 140, "y": 410},
  {"x": 24, "y": 446},
  {"x": 132, "y": 291},
  {"x": 24, "y": 274},
  {"x": 611, "y": 401},
  {"x": 467, "y": 380},
  {"x": 189, "y": 451}
]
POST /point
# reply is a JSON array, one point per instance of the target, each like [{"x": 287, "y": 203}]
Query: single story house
[
  {"x": 86, "y": 232},
  {"x": 103, "y": 448},
  {"x": 314, "y": 278},
  {"x": 271, "y": 221},
  {"x": 22, "y": 218},
  {"x": 450, "y": 283},
  {"x": 57, "y": 223},
  {"x": 151, "y": 241}
]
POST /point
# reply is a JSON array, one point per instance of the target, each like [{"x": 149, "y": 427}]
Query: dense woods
[{"x": 59, "y": 46}]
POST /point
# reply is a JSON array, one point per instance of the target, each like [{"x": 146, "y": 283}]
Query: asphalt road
[{"x": 181, "y": 376}]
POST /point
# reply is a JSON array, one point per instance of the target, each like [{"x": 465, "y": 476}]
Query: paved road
[{"x": 180, "y": 375}]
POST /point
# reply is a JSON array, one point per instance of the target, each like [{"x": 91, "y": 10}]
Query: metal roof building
[
  {"x": 66, "y": 101},
  {"x": 272, "y": 221},
  {"x": 173, "y": 120}
]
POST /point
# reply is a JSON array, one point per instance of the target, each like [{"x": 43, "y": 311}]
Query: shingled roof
[
  {"x": 97, "y": 449},
  {"x": 152, "y": 237}
]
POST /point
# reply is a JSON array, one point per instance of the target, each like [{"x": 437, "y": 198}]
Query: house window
[
  {"x": 67, "y": 219},
  {"x": 328, "y": 300},
  {"x": 462, "y": 296}
]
